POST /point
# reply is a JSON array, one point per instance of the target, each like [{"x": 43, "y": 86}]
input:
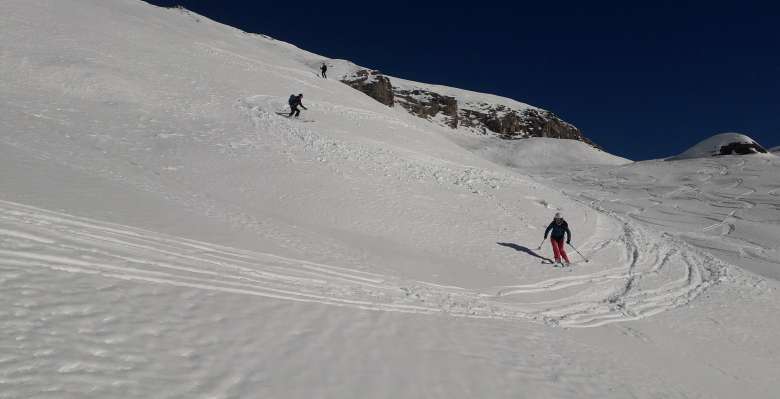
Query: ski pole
[
  {"x": 583, "y": 256},
  {"x": 540, "y": 244}
]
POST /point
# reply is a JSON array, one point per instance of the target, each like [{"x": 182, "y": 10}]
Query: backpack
[{"x": 293, "y": 99}]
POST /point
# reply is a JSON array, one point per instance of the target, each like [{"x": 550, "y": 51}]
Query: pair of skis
[
  {"x": 287, "y": 115},
  {"x": 572, "y": 247},
  {"x": 560, "y": 265}
]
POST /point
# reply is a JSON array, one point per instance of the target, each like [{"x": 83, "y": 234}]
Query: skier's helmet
[{"x": 558, "y": 217}]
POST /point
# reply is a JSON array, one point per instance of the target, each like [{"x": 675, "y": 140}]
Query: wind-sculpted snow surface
[
  {"x": 650, "y": 278},
  {"x": 165, "y": 232},
  {"x": 727, "y": 206}
]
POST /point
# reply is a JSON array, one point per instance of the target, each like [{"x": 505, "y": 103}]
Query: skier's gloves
[{"x": 568, "y": 242}]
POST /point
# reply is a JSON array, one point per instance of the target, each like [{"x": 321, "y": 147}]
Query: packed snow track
[{"x": 653, "y": 277}]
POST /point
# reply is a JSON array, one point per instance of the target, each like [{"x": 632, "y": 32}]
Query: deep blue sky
[{"x": 644, "y": 81}]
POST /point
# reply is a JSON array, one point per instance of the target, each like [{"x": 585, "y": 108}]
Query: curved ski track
[{"x": 33, "y": 237}]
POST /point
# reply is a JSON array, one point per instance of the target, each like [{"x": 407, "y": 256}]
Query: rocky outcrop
[
  {"x": 722, "y": 144},
  {"x": 374, "y": 84},
  {"x": 512, "y": 124},
  {"x": 481, "y": 117},
  {"x": 742, "y": 149},
  {"x": 426, "y": 104}
]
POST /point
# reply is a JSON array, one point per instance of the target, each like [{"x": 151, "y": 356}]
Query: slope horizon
[{"x": 621, "y": 89}]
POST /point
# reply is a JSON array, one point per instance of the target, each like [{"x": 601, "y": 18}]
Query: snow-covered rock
[
  {"x": 456, "y": 108},
  {"x": 723, "y": 144}
]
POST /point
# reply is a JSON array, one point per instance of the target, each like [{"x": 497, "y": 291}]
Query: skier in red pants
[{"x": 559, "y": 229}]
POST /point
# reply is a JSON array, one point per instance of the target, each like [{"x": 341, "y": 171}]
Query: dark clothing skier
[
  {"x": 324, "y": 69},
  {"x": 295, "y": 102},
  {"x": 558, "y": 229}
]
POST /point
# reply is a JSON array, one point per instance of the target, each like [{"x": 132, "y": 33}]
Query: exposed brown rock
[
  {"x": 374, "y": 84},
  {"x": 426, "y": 104},
  {"x": 496, "y": 119},
  {"x": 513, "y": 124}
]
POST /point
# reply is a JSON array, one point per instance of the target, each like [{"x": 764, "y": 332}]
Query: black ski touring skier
[
  {"x": 295, "y": 102},
  {"x": 324, "y": 69}
]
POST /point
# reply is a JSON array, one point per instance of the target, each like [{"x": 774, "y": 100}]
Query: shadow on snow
[{"x": 526, "y": 250}]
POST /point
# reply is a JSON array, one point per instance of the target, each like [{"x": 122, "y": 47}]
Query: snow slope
[
  {"x": 164, "y": 233},
  {"x": 539, "y": 152},
  {"x": 727, "y": 206}
]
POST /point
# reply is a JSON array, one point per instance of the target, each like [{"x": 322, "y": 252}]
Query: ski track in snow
[
  {"x": 654, "y": 274},
  {"x": 378, "y": 159},
  {"x": 716, "y": 208},
  {"x": 655, "y": 278},
  {"x": 136, "y": 103}
]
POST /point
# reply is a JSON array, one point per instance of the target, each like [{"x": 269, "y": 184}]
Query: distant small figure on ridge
[
  {"x": 324, "y": 69},
  {"x": 295, "y": 102},
  {"x": 558, "y": 228}
]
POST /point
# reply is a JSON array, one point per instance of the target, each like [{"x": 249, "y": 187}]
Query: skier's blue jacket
[{"x": 558, "y": 231}]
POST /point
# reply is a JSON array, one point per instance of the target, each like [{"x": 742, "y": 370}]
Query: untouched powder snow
[
  {"x": 165, "y": 233},
  {"x": 722, "y": 144}
]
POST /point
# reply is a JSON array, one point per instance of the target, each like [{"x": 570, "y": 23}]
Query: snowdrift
[{"x": 722, "y": 144}]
